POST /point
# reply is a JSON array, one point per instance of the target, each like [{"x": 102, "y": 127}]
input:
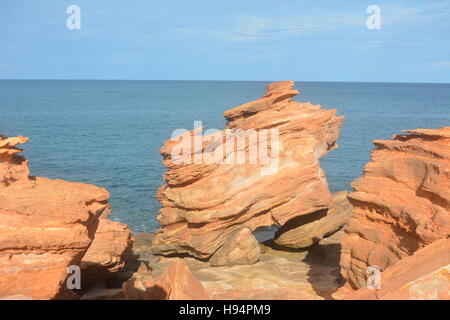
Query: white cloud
[
  {"x": 255, "y": 28},
  {"x": 445, "y": 63},
  {"x": 372, "y": 44},
  {"x": 251, "y": 28},
  {"x": 429, "y": 12}
]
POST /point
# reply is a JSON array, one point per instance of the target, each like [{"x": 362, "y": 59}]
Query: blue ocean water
[{"x": 108, "y": 133}]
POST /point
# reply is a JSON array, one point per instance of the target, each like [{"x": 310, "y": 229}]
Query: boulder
[
  {"x": 108, "y": 252},
  {"x": 261, "y": 170},
  {"x": 240, "y": 248},
  {"x": 302, "y": 232},
  {"x": 175, "y": 283},
  {"x": 400, "y": 205}
]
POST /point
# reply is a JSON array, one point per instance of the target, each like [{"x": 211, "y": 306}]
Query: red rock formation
[
  {"x": 205, "y": 202},
  {"x": 302, "y": 233},
  {"x": 423, "y": 276},
  {"x": 401, "y": 204},
  {"x": 12, "y": 166},
  {"x": 45, "y": 226},
  {"x": 108, "y": 252},
  {"x": 240, "y": 248},
  {"x": 175, "y": 283}
]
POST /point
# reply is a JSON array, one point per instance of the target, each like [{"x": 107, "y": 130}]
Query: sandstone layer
[
  {"x": 311, "y": 274},
  {"x": 176, "y": 282},
  {"x": 302, "y": 232},
  {"x": 108, "y": 252},
  {"x": 401, "y": 204},
  {"x": 423, "y": 276},
  {"x": 45, "y": 226},
  {"x": 204, "y": 201},
  {"x": 240, "y": 248}
]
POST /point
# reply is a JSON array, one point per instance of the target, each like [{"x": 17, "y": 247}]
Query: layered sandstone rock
[
  {"x": 261, "y": 170},
  {"x": 423, "y": 276},
  {"x": 45, "y": 226},
  {"x": 12, "y": 167},
  {"x": 240, "y": 248},
  {"x": 175, "y": 283},
  {"x": 280, "y": 274},
  {"x": 302, "y": 233},
  {"x": 108, "y": 252},
  {"x": 401, "y": 204}
]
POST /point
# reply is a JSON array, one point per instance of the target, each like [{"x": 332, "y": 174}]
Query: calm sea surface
[{"x": 108, "y": 133}]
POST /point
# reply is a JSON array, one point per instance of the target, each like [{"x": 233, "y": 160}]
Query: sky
[{"x": 226, "y": 40}]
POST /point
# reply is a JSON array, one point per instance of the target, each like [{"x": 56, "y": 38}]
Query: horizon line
[{"x": 204, "y": 80}]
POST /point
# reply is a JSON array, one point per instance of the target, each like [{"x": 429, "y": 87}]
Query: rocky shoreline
[{"x": 397, "y": 219}]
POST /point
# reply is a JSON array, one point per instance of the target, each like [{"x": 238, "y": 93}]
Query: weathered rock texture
[
  {"x": 279, "y": 274},
  {"x": 175, "y": 283},
  {"x": 401, "y": 204},
  {"x": 423, "y": 276},
  {"x": 108, "y": 252},
  {"x": 302, "y": 233},
  {"x": 205, "y": 203},
  {"x": 45, "y": 225},
  {"x": 240, "y": 248}
]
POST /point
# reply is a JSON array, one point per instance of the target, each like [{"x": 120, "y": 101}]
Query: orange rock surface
[
  {"x": 175, "y": 283},
  {"x": 45, "y": 226},
  {"x": 240, "y": 248},
  {"x": 204, "y": 203},
  {"x": 423, "y": 276},
  {"x": 401, "y": 204},
  {"x": 302, "y": 233},
  {"x": 108, "y": 252}
]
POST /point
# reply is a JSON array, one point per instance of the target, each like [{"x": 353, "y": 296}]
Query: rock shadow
[{"x": 323, "y": 258}]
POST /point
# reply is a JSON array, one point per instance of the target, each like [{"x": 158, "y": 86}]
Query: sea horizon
[{"x": 266, "y": 81}]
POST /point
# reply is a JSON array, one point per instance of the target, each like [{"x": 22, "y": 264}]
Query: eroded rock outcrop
[
  {"x": 279, "y": 274},
  {"x": 240, "y": 248},
  {"x": 210, "y": 192},
  {"x": 108, "y": 252},
  {"x": 176, "y": 282},
  {"x": 302, "y": 233},
  {"x": 425, "y": 275},
  {"x": 45, "y": 226},
  {"x": 401, "y": 204}
]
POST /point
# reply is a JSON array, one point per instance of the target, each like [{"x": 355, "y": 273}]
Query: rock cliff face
[
  {"x": 401, "y": 204},
  {"x": 423, "y": 276},
  {"x": 45, "y": 226},
  {"x": 261, "y": 170}
]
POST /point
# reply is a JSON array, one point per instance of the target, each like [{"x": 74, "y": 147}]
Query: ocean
[{"x": 108, "y": 133}]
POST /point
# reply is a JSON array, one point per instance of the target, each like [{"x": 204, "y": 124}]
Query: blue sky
[{"x": 226, "y": 40}]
